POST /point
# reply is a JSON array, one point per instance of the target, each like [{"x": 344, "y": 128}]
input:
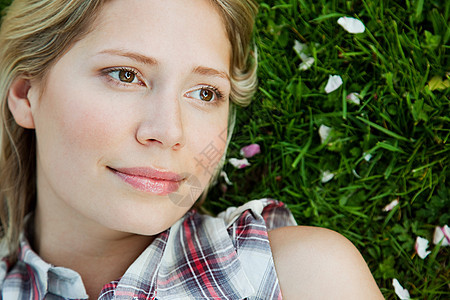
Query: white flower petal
[
  {"x": 306, "y": 64},
  {"x": 324, "y": 132},
  {"x": 356, "y": 174},
  {"x": 327, "y": 176},
  {"x": 239, "y": 163},
  {"x": 225, "y": 176},
  {"x": 442, "y": 233},
  {"x": 421, "y": 247},
  {"x": 352, "y": 25},
  {"x": 300, "y": 48},
  {"x": 354, "y": 98},
  {"x": 368, "y": 157},
  {"x": 402, "y": 293},
  {"x": 334, "y": 82},
  {"x": 250, "y": 150},
  {"x": 391, "y": 205}
]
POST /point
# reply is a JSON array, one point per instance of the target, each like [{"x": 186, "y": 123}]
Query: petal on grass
[
  {"x": 391, "y": 205},
  {"x": 356, "y": 174},
  {"x": 300, "y": 49},
  {"x": 306, "y": 64},
  {"x": 250, "y": 150},
  {"x": 307, "y": 61},
  {"x": 421, "y": 247},
  {"x": 368, "y": 157},
  {"x": 324, "y": 132},
  {"x": 327, "y": 176},
  {"x": 402, "y": 293},
  {"x": 351, "y": 25},
  {"x": 239, "y": 163},
  {"x": 225, "y": 177},
  {"x": 442, "y": 233},
  {"x": 334, "y": 82},
  {"x": 354, "y": 98}
]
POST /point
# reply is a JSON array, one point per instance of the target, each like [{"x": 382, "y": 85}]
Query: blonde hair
[{"x": 33, "y": 36}]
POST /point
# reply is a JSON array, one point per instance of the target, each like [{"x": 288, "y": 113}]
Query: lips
[{"x": 150, "y": 180}]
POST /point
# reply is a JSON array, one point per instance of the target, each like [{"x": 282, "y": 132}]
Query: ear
[{"x": 19, "y": 103}]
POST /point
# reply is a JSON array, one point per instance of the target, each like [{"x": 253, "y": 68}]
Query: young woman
[{"x": 108, "y": 111}]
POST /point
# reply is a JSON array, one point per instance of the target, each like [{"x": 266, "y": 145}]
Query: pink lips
[{"x": 150, "y": 180}]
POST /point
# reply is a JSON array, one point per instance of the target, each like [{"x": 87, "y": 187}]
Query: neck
[{"x": 98, "y": 254}]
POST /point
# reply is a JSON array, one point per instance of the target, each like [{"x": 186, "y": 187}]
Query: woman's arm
[{"x": 317, "y": 263}]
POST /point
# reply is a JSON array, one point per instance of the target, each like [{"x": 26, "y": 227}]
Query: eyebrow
[
  {"x": 200, "y": 70},
  {"x": 134, "y": 56},
  {"x": 211, "y": 72}
]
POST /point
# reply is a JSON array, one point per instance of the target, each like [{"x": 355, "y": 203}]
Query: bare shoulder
[{"x": 317, "y": 263}]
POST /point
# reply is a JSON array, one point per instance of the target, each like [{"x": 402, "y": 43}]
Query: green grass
[{"x": 401, "y": 122}]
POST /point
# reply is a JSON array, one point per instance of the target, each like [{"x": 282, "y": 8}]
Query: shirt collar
[
  {"x": 201, "y": 262},
  {"x": 194, "y": 259},
  {"x": 50, "y": 279}
]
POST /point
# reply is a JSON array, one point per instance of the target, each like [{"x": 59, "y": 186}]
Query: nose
[{"x": 161, "y": 123}]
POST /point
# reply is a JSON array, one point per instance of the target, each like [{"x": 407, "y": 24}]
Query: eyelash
[
  {"x": 107, "y": 73},
  {"x": 219, "y": 96}
]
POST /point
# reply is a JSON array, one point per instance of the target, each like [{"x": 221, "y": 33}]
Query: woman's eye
[
  {"x": 204, "y": 94},
  {"x": 126, "y": 76}
]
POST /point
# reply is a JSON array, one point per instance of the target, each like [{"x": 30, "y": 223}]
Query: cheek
[
  {"x": 72, "y": 124},
  {"x": 209, "y": 143},
  {"x": 88, "y": 128}
]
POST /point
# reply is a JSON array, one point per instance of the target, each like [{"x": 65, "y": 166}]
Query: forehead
[{"x": 178, "y": 30}]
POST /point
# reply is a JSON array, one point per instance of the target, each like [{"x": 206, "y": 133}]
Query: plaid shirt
[{"x": 199, "y": 257}]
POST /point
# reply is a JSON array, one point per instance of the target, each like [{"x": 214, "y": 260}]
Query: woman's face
[{"x": 131, "y": 121}]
